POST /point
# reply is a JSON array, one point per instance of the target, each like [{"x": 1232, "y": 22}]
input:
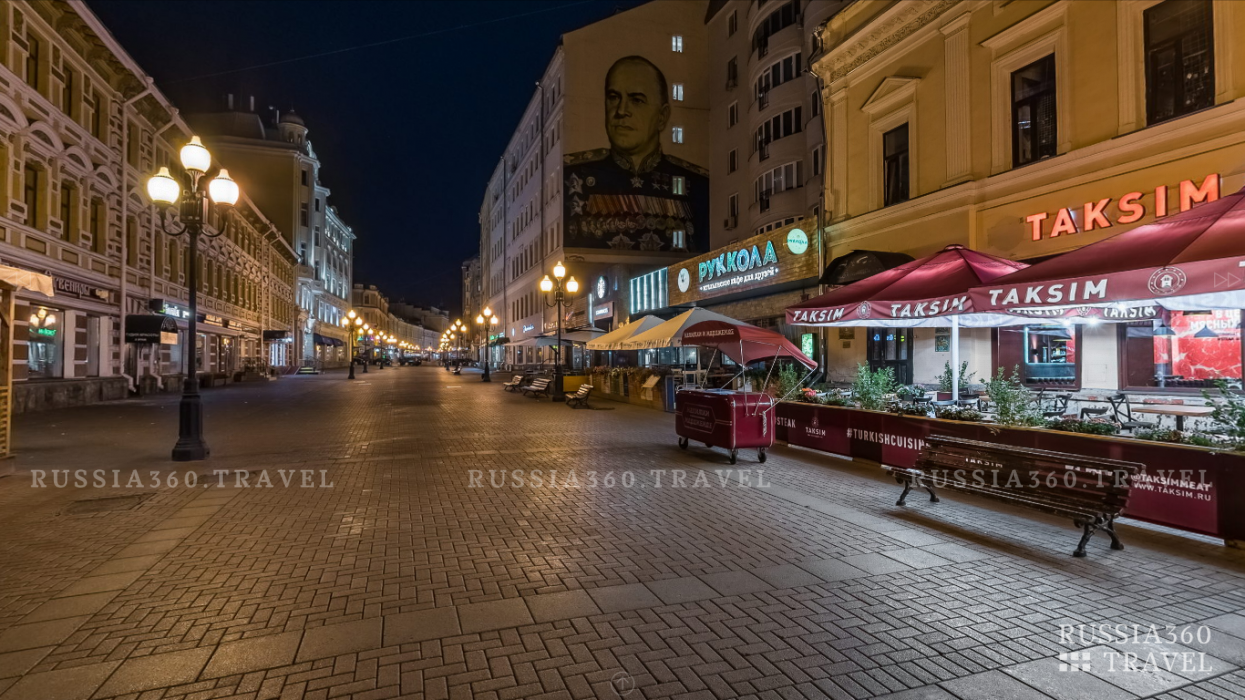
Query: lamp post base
[
  {"x": 190, "y": 446},
  {"x": 351, "y": 375}
]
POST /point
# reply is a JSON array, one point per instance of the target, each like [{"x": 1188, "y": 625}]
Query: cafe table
[{"x": 1179, "y": 411}]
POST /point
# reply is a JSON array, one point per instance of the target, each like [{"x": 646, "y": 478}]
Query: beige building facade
[
  {"x": 1026, "y": 129},
  {"x": 81, "y": 129}
]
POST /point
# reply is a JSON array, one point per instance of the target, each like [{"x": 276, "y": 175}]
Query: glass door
[{"x": 891, "y": 347}]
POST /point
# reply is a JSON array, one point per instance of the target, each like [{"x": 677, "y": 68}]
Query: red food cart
[{"x": 730, "y": 419}]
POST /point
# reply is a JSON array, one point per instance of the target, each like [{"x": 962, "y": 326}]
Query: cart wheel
[
  {"x": 683, "y": 443},
  {"x": 761, "y": 456},
  {"x": 734, "y": 456}
]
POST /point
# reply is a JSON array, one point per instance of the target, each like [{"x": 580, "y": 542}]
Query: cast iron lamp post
[
  {"x": 489, "y": 320},
  {"x": 202, "y": 198},
  {"x": 352, "y": 322},
  {"x": 555, "y": 297},
  {"x": 367, "y": 334}
]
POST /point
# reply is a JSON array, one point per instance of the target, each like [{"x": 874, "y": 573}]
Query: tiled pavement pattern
[{"x": 403, "y": 581}]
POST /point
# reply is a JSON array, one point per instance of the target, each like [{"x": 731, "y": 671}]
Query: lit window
[
  {"x": 679, "y": 239},
  {"x": 676, "y": 92},
  {"x": 676, "y": 43},
  {"x": 676, "y": 134},
  {"x": 679, "y": 186}
]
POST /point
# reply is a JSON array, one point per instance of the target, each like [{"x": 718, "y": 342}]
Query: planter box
[{"x": 1189, "y": 488}]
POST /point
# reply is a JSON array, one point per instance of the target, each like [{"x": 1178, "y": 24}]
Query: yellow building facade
[{"x": 1025, "y": 129}]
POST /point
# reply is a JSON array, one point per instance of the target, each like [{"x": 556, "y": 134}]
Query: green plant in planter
[
  {"x": 963, "y": 413},
  {"x": 1011, "y": 400},
  {"x": 833, "y": 399},
  {"x": 1229, "y": 413},
  {"x": 1093, "y": 426},
  {"x": 788, "y": 380},
  {"x": 1159, "y": 435},
  {"x": 871, "y": 388},
  {"x": 910, "y": 392},
  {"x": 944, "y": 379},
  {"x": 1201, "y": 440}
]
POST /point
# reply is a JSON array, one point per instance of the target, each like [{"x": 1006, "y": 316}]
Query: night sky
[{"x": 408, "y": 132}]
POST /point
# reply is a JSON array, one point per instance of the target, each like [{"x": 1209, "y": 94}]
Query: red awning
[
  {"x": 1196, "y": 255},
  {"x": 743, "y": 343},
  {"x": 930, "y": 288}
]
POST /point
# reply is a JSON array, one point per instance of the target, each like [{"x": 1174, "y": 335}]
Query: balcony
[{"x": 763, "y": 200}]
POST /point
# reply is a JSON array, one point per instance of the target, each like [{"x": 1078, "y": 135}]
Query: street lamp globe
[
  {"x": 493, "y": 320},
  {"x": 195, "y": 156},
  {"x": 559, "y": 270},
  {"x": 351, "y": 314},
  {"x": 480, "y": 318},
  {"x": 162, "y": 188},
  {"x": 572, "y": 286},
  {"x": 546, "y": 285},
  {"x": 488, "y": 311},
  {"x": 223, "y": 189}
]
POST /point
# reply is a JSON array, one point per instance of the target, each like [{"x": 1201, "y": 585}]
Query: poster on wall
[{"x": 629, "y": 194}]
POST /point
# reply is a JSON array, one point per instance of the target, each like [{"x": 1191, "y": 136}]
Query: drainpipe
[{"x": 125, "y": 206}]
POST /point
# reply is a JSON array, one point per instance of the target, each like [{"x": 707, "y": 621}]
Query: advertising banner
[{"x": 783, "y": 255}]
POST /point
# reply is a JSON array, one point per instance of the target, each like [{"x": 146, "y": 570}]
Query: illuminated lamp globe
[
  {"x": 546, "y": 285},
  {"x": 492, "y": 320},
  {"x": 195, "y": 156},
  {"x": 559, "y": 270},
  {"x": 488, "y": 311},
  {"x": 351, "y": 313},
  {"x": 572, "y": 286},
  {"x": 162, "y": 188},
  {"x": 480, "y": 318},
  {"x": 223, "y": 189}
]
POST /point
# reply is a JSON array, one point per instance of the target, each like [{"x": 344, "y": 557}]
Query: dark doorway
[{"x": 891, "y": 347}]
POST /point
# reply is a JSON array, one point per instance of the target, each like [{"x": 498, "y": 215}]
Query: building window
[
  {"x": 1033, "y": 111},
  {"x": 45, "y": 343},
  {"x": 676, "y": 134},
  {"x": 777, "y": 21},
  {"x": 678, "y": 239},
  {"x": 67, "y": 94},
  {"x": 1047, "y": 355},
  {"x": 99, "y": 237},
  {"x": 732, "y": 161},
  {"x": 732, "y": 115},
  {"x": 69, "y": 207},
  {"x": 1180, "y": 70},
  {"x": 815, "y": 104},
  {"x": 895, "y": 166},
  {"x": 678, "y": 185},
  {"x": 732, "y": 73},
  {"x": 98, "y": 118},
  {"x": 817, "y": 159},
  {"x": 1184, "y": 349},
  {"x": 732, "y": 23},
  {"x": 131, "y": 242},
  {"x": 303, "y": 216},
  {"x": 30, "y": 194},
  {"x": 676, "y": 92},
  {"x": 732, "y": 206},
  {"x": 780, "y": 179},
  {"x": 780, "y": 72},
  {"x": 33, "y": 59},
  {"x": 304, "y": 176},
  {"x": 676, "y": 43}
]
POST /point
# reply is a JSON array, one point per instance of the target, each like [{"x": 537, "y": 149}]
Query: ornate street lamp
[
  {"x": 555, "y": 297},
  {"x": 202, "y": 198},
  {"x": 367, "y": 333},
  {"x": 489, "y": 320},
  {"x": 352, "y": 322}
]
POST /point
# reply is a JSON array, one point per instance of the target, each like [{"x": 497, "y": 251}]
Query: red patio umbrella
[
  {"x": 744, "y": 343},
  {"x": 1187, "y": 261},
  {"x": 919, "y": 293}
]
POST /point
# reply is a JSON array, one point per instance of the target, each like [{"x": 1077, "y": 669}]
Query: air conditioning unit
[{"x": 730, "y": 222}]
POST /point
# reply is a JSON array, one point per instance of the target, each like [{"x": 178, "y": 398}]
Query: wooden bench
[
  {"x": 1089, "y": 490},
  {"x": 538, "y": 386},
  {"x": 580, "y": 398},
  {"x": 513, "y": 384}
]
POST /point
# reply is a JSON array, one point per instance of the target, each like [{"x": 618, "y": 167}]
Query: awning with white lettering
[{"x": 1190, "y": 261}]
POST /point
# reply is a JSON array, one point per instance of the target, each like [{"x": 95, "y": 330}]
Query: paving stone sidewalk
[{"x": 371, "y": 539}]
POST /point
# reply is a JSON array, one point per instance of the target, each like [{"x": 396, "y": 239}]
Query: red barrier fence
[{"x": 1184, "y": 487}]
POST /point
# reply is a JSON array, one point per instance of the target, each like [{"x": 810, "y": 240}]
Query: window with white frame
[
  {"x": 678, "y": 185},
  {"x": 732, "y": 23},
  {"x": 676, "y": 43},
  {"x": 732, "y": 161},
  {"x": 780, "y": 179},
  {"x": 732, "y": 115},
  {"x": 678, "y": 239},
  {"x": 732, "y": 205},
  {"x": 676, "y": 134},
  {"x": 776, "y": 74},
  {"x": 817, "y": 161},
  {"x": 779, "y": 126},
  {"x": 676, "y": 92}
]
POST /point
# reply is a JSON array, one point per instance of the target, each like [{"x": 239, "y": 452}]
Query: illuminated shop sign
[
  {"x": 529, "y": 327},
  {"x": 213, "y": 319},
  {"x": 1040, "y": 294},
  {"x": 168, "y": 308},
  {"x": 770, "y": 258},
  {"x": 1127, "y": 209}
]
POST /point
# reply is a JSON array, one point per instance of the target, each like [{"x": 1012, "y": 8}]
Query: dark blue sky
[{"x": 408, "y": 132}]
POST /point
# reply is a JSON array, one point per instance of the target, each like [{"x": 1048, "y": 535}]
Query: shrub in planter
[
  {"x": 1159, "y": 435},
  {"x": 962, "y": 413},
  {"x": 944, "y": 379},
  {"x": 1229, "y": 413},
  {"x": 1093, "y": 426},
  {"x": 871, "y": 388},
  {"x": 909, "y": 393},
  {"x": 787, "y": 382},
  {"x": 1011, "y": 400}
]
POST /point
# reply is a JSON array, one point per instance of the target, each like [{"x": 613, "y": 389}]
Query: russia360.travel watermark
[
  {"x": 219, "y": 478},
  {"x": 651, "y": 478},
  {"x": 1134, "y": 648}
]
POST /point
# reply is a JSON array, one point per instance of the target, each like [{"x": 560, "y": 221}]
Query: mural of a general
[{"x": 632, "y": 195}]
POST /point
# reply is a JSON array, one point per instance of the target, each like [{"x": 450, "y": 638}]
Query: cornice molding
[{"x": 881, "y": 33}]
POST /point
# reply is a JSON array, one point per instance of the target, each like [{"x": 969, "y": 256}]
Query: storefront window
[
  {"x": 1046, "y": 355},
  {"x": 200, "y": 352},
  {"x": 1187, "y": 349},
  {"x": 891, "y": 348},
  {"x": 46, "y": 343}
]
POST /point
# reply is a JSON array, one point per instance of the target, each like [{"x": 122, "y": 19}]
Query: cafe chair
[
  {"x": 1095, "y": 412},
  {"x": 1057, "y": 407},
  {"x": 1124, "y": 413}
]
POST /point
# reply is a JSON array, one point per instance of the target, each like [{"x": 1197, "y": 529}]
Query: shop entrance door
[{"x": 891, "y": 347}]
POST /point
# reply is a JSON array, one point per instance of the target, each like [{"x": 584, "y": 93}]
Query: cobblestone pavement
[{"x": 380, "y": 571}]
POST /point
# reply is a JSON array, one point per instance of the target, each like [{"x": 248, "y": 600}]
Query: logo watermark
[
  {"x": 622, "y": 684},
  {"x": 220, "y": 478},
  {"x": 574, "y": 479},
  {"x": 1136, "y": 648}
]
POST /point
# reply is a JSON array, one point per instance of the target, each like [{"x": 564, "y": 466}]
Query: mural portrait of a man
[{"x": 632, "y": 195}]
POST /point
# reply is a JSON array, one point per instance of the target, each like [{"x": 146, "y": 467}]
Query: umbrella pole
[{"x": 955, "y": 358}]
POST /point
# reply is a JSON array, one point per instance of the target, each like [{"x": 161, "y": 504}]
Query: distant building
[{"x": 276, "y": 162}]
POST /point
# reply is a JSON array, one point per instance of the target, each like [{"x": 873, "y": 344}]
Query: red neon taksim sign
[{"x": 1128, "y": 209}]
